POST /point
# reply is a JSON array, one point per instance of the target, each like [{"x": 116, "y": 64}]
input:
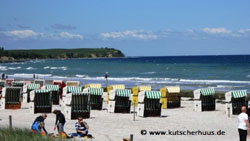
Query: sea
[{"x": 224, "y": 73}]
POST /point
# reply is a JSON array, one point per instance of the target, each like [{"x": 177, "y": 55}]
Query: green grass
[{"x": 17, "y": 134}]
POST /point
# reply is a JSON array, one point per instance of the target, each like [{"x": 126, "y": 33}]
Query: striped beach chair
[
  {"x": 39, "y": 81},
  {"x": 55, "y": 90},
  {"x": 137, "y": 90},
  {"x": 113, "y": 87},
  {"x": 11, "y": 98},
  {"x": 18, "y": 84},
  {"x": 77, "y": 104},
  {"x": 204, "y": 99},
  {"x": 40, "y": 101},
  {"x": 235, "y": 100},
  {"x": 149, "y": 104},
  {"x": 27, "y": 89},
  {"x": 120, "y": 101},
  {"x": 96, "y": 99},
  {"x": 170, "y": 97}
]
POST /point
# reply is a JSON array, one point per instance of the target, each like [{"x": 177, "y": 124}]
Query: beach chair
[
  {"x": 204, "y": 100},
  {"x": 40, "y": 101},
  {"x": 54, "y": 93},
  {"x": 27, "y": 89},
  {"x": 96, "y": 99},
  {"x": 67, "y": 90},
  {"x": 11, "y": 98},
  {"x": 137, "y": 90},
  {"x": 235, "y": 100},
  {"x": 39, "y": 81},
  {"x": 93, "y": 85},
  {"x": 73, "y": 83},
  {"x": 113, "y": 87},
  {"x": 18, "y": 84},
  {"x": 120, "y": 101},
  {"x": 77, "y": 104},
  {"x": 149, "y": 104},
  {"x": 170, "y": 97}
]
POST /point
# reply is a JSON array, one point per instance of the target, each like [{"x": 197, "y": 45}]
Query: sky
[{"x": 137, "y": 28}]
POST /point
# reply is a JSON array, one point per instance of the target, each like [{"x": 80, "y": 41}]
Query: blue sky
[{"x": 138, "y": 28}]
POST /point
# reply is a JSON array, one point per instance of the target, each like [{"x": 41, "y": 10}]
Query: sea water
[{"x": 190, "y": 72}]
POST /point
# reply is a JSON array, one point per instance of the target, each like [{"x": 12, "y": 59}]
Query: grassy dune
[{"x": 17, "y": 134}]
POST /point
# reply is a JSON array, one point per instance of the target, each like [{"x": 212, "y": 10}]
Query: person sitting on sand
[
  {"x": 60, "y": 119},
  {"x": 40, "y": 119},
  {"x": 81, "y": 128},
  {"x": 37, "y": 127}
]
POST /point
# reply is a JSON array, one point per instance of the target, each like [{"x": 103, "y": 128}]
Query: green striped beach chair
[
  {"x": 18, "y": 84},
  {"x": 96, "y": 100},
  {"x": 27, "y": 89},
  {"x": 120, "y": 101},
  {"x": 149, "y": 104},
  {"x": 54, "y": 93},
  {"x": 235, "y": 100},
  {"x": 204, "y": 99},
  {"x": 40, "y": 101},
  {"x": 77, "y": 104}
]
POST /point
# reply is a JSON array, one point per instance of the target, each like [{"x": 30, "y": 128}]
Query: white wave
[
  {"x": 213, "y": 81},
  {"x": 148, "y": 72},
  {"x": 81, "y": 76},
  {"x": 30, "y": 68},
  {"x": 47, "y": 67},
  {"x": 227, "y": 86},
  {"x": 13, "y": 68},
  {"x": 59, "y": 68},
  {"x": 3, "y": 68}
]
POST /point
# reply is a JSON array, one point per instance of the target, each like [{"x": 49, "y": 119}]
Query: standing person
[
  {"x": 60, "y": 119},
  {"x": 3, "y": 76},
  {"x": 243, "y": 124},
  {"x": 81, "y": 128},
  {"x": 39, "y": 119},
  {"x": 106, "y": 77}
]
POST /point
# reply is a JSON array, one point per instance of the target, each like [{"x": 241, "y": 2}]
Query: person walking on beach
[
  {"x": 243, "y": 124},
  {"x": 38, "y": 120},
  {"x": 60, "y": 119}
]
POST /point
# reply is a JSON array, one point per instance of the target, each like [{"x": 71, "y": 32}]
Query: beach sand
[{"x": 106, "y": 126}]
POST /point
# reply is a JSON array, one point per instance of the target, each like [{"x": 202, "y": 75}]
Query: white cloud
[
  {"x": 22, "y": 34},
  {"x": 244, "y": 30},
  {"x": 29, "y": 34},
  {"x": 216, "y": 30},
  {"x": 67, "y": 35},
  {"x": 144, "y": 35}
]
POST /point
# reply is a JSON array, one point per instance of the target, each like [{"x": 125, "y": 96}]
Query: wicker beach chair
[
  {"x": 120, "y": 101},
  {"x": 149, "y": 104},
  {"x": 204, "y": 99},
  {"x": 235, "y": 100},
  {"x": 170, "y": 97}
]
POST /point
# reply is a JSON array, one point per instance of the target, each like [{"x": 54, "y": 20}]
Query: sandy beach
[{"x": 106, "y": 126}]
